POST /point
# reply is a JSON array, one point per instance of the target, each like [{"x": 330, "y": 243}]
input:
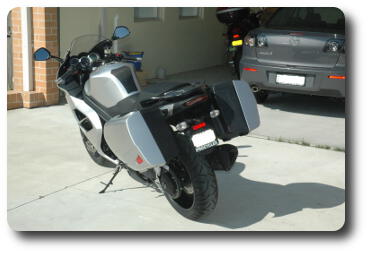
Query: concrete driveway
[
  {"x": 53, "y": 185},
  {"x": 318, "y": 121}
]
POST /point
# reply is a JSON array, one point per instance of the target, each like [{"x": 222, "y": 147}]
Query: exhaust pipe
[
  {"x": 255, "y": 89},
  {"x": 222, "y": 157}
]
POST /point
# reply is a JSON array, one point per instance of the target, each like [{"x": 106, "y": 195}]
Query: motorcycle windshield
[{"x": 84, "y": 43}]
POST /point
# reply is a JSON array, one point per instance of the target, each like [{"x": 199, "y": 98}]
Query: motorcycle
[
  {"x": 239, "y": 22},
  {"x": 166, "y": 135}
]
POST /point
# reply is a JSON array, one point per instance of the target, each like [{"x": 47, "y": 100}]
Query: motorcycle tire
[
  {"x": 98, "y": 159},
  {"x": 203, "y": 183},
  {"x": 237, "y": 58}
]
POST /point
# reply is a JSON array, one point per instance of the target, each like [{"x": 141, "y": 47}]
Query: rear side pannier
[{"x": 239, "y": 113}]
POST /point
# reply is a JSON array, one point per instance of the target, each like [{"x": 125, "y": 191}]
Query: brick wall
[
  {"x": 17, "y": 49},
  {"x": 14, "y": 96},
  {"x": 44, "y": 34}
]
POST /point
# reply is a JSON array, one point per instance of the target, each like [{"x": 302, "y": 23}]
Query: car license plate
[
  {"x": 204, "y": 140},
  {"x": 294, "y": 80}
]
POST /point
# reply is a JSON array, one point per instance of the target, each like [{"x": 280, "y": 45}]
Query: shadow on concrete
[
  {"x": 243, "y": 202},
  {"x": 306, "y": 104}
]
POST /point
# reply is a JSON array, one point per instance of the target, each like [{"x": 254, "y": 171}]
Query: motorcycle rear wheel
[{"x": 199, "y": 192}]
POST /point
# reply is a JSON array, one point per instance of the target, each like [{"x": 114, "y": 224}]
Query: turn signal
[
  {"x": 214, "y": 113},
  {"x": 181, "y": 126}
]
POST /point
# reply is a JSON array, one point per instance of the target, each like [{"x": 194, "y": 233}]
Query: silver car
[{"x": 299, "y": 50}]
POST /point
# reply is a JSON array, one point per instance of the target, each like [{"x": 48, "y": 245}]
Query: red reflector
[
  {"x": 336, "y": 77},
  {"x": 296, "y": 34},
  {"x": 198, "y": 126},
  {"x": 196, "y": 100},
  {"x": 249, "y": 69},
  {"x": 236, "y": 36},
  {"x": 139, "y": 159}
]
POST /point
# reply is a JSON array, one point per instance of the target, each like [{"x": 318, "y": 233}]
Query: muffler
[
  {"x": 222, "y": 157},
  {"x": 255, "y": 89}
]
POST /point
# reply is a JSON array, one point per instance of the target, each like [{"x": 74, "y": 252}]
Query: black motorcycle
[{"x": 239, "y": 21}]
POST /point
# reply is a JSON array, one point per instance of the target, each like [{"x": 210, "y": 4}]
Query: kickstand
[{"x": 107, "y": 185}]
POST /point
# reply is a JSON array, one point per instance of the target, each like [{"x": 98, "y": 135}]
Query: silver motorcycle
[{"x": 166, "y": 135}]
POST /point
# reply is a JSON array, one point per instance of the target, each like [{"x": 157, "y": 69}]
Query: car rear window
[{"x": 319, "y": 19}]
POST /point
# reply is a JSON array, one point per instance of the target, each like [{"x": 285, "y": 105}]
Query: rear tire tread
[{"x": 203, "y": 180}]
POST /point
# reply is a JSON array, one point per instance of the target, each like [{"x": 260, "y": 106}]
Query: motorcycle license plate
[
  {"x": 204, "y": 140},
  {"x": 237, "y": 43}
]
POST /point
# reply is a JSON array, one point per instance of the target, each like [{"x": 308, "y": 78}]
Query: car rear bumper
[{"x": 317, "y": 81}]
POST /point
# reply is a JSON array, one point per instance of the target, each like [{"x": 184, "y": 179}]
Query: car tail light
[
  {"x": 199, "y": 126},
  {"x": 336, "y": 77},
  {"x": 261, "y": 41},
  {"x": 334, "y": 45},
  {"x": 196, "y": 100},
  {"x": 250, "y": 41}
]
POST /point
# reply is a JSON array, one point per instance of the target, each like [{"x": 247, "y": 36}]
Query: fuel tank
[{"x": 111, "y": 83}]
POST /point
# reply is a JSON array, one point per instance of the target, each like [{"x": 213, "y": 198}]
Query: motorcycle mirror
[
  {"x": 120, "y": 32},
  {"x": 41, "y": 54}
]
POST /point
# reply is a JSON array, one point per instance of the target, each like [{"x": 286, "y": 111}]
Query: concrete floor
[
  {"x": 312, "y": 119},
  {"x": 53, "y": 185}
]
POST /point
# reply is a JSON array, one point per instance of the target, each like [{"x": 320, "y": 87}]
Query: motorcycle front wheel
[
  {"x": 190, "y": 185},
  {"x": 98, "y": 159}
]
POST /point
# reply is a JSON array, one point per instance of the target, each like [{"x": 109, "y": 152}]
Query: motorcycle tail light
[
  {"x": 334, "y": 45},
  {"x": 235, "y": 36},
  {"x": 199, "y": 126},
  {"x": 250, "y": 40}
]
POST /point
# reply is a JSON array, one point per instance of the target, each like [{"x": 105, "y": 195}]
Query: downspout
[
  {"x": 26, "y": 26},
  {"x": 115, "y": 43},
  {"x": 102, "y": 26}
]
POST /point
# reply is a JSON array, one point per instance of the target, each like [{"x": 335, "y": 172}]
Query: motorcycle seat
[{"x": 133, "y": 102}]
